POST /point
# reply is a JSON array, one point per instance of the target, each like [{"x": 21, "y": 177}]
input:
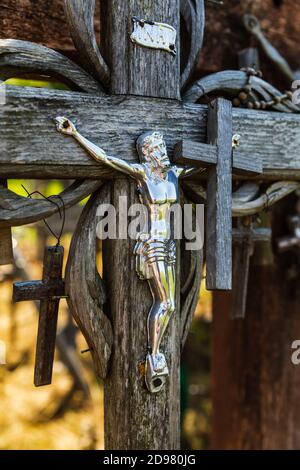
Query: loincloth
[{"x": 150, "y": 251}]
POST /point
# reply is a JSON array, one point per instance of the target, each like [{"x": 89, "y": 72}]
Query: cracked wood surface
[{"x": 114, "y": 123}]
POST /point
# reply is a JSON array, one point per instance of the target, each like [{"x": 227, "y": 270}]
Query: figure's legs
[{"x": 162, "y": 284}]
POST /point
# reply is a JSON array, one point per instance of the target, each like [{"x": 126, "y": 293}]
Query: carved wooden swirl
[
  {"x": 193, "y": 14},
  {"x": 230, "y": 83},
  {"x": 16, "y": 210},
  {"x": 19, "y": 57},
  {"x": 84, "y": 285},
  {"x": 80, "y": 17},
  {"x": 191, "y": 267}
]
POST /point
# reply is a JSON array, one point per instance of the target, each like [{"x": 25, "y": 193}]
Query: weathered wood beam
[
  {"x": 80, "y": 17},
  {"x": 199, "y": 155},
  {"x": 135, "y": 418},
  {"x": 219, "y": 198},
  {"x": 36, "y": 290},
  {"x": 194, "y": 16},
  {"x": 49, "y": 292},
  {"x": 41, "y": 152},
  {"x": 84, "y": 286},
  {"x": 144, "y": 420},
  {"x": 17, "y": 210},
  {"x": 135, "y": 68},
  {"x": 20, "y": 57}
]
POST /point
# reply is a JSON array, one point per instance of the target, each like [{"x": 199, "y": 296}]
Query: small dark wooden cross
[
  {"x": 218, "y": 154},
  {"x": 244, "y": 238},
  {"x": 49, "y": 291}
]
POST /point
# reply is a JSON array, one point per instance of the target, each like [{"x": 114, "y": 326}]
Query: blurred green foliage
[{"x": 36, "y": 83}]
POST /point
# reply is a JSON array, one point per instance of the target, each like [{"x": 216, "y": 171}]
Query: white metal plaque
[{"x": 154, "y": 35}]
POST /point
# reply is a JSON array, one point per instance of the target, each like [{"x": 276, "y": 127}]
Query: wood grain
[
  {"x": 189, "y": 153},
  {"x": 255, "y": 384},
  {"x": 135, "y": 69},
  {"x": 194, "y": 17},
  {"x": 36, "y": 290},
  {"x": 50, "y": 286},
  {"x": 244, "y": 238},
  {"x": 191, "y": 266},
  {"x": 6, "y": 247},
  {"x": 46, "y": 337},
  {"x": 231, "y": 82},
  {"x": 84, "y": 286},
  {"x": 44, "y": 22},
  {"x": 219, "y": 198},
  {"x": 134, "y": 418},
  {"x": 80, "y": 18},
  {"x": 276, "y": 143}
]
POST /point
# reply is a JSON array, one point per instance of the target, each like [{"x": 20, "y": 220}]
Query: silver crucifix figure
[{"x": 155, "y": 251}]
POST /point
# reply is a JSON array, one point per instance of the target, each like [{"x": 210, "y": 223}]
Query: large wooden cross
[{"x": 114, "y": 101}]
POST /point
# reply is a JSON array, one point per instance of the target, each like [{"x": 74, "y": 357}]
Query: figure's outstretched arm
[{"x": 65, "y": 126}]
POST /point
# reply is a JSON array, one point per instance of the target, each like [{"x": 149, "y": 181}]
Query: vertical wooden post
[
  {"x": 255, "y": 385},
  {"x": 135, "y": 419},
  {"x": 218, "y": 206}
]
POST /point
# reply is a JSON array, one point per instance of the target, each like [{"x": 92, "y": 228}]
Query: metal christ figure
[{"x": 155, "y": 251}]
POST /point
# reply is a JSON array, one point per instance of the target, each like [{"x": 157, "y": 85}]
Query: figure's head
[{"x": 152, "y": 149}]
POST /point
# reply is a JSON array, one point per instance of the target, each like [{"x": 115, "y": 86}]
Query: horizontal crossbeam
[
  {"x": 38, "y": 290},
  {"x": 200, "y": 155},
  {"x": 31, "y": 147}
]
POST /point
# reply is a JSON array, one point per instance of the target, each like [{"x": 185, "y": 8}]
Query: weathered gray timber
[
  {"x": 240, "y": 208},
  {"x": 48, "y": 291},
  {"x": 116, "y": 123},
  {"x": 194, "y": 17},
  {"x": 137, "y": 70},
  {"x": 219, "y": 198},
  {"x": 232, "y": 82},
  {"x": 84, "y": 287},
  {"x": 19, "y": 57},
  {"x": 134, "y": 418},
  {"x": 198, "y": 155},
  {"x": 80, "y": 17}
]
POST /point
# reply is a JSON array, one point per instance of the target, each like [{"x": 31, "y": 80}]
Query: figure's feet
[
  {"x": 156, "y": 372},
  {"x": 65, "y": 126}
]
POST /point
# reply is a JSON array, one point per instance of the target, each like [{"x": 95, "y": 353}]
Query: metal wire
[{"x": 61, "y": 210}]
